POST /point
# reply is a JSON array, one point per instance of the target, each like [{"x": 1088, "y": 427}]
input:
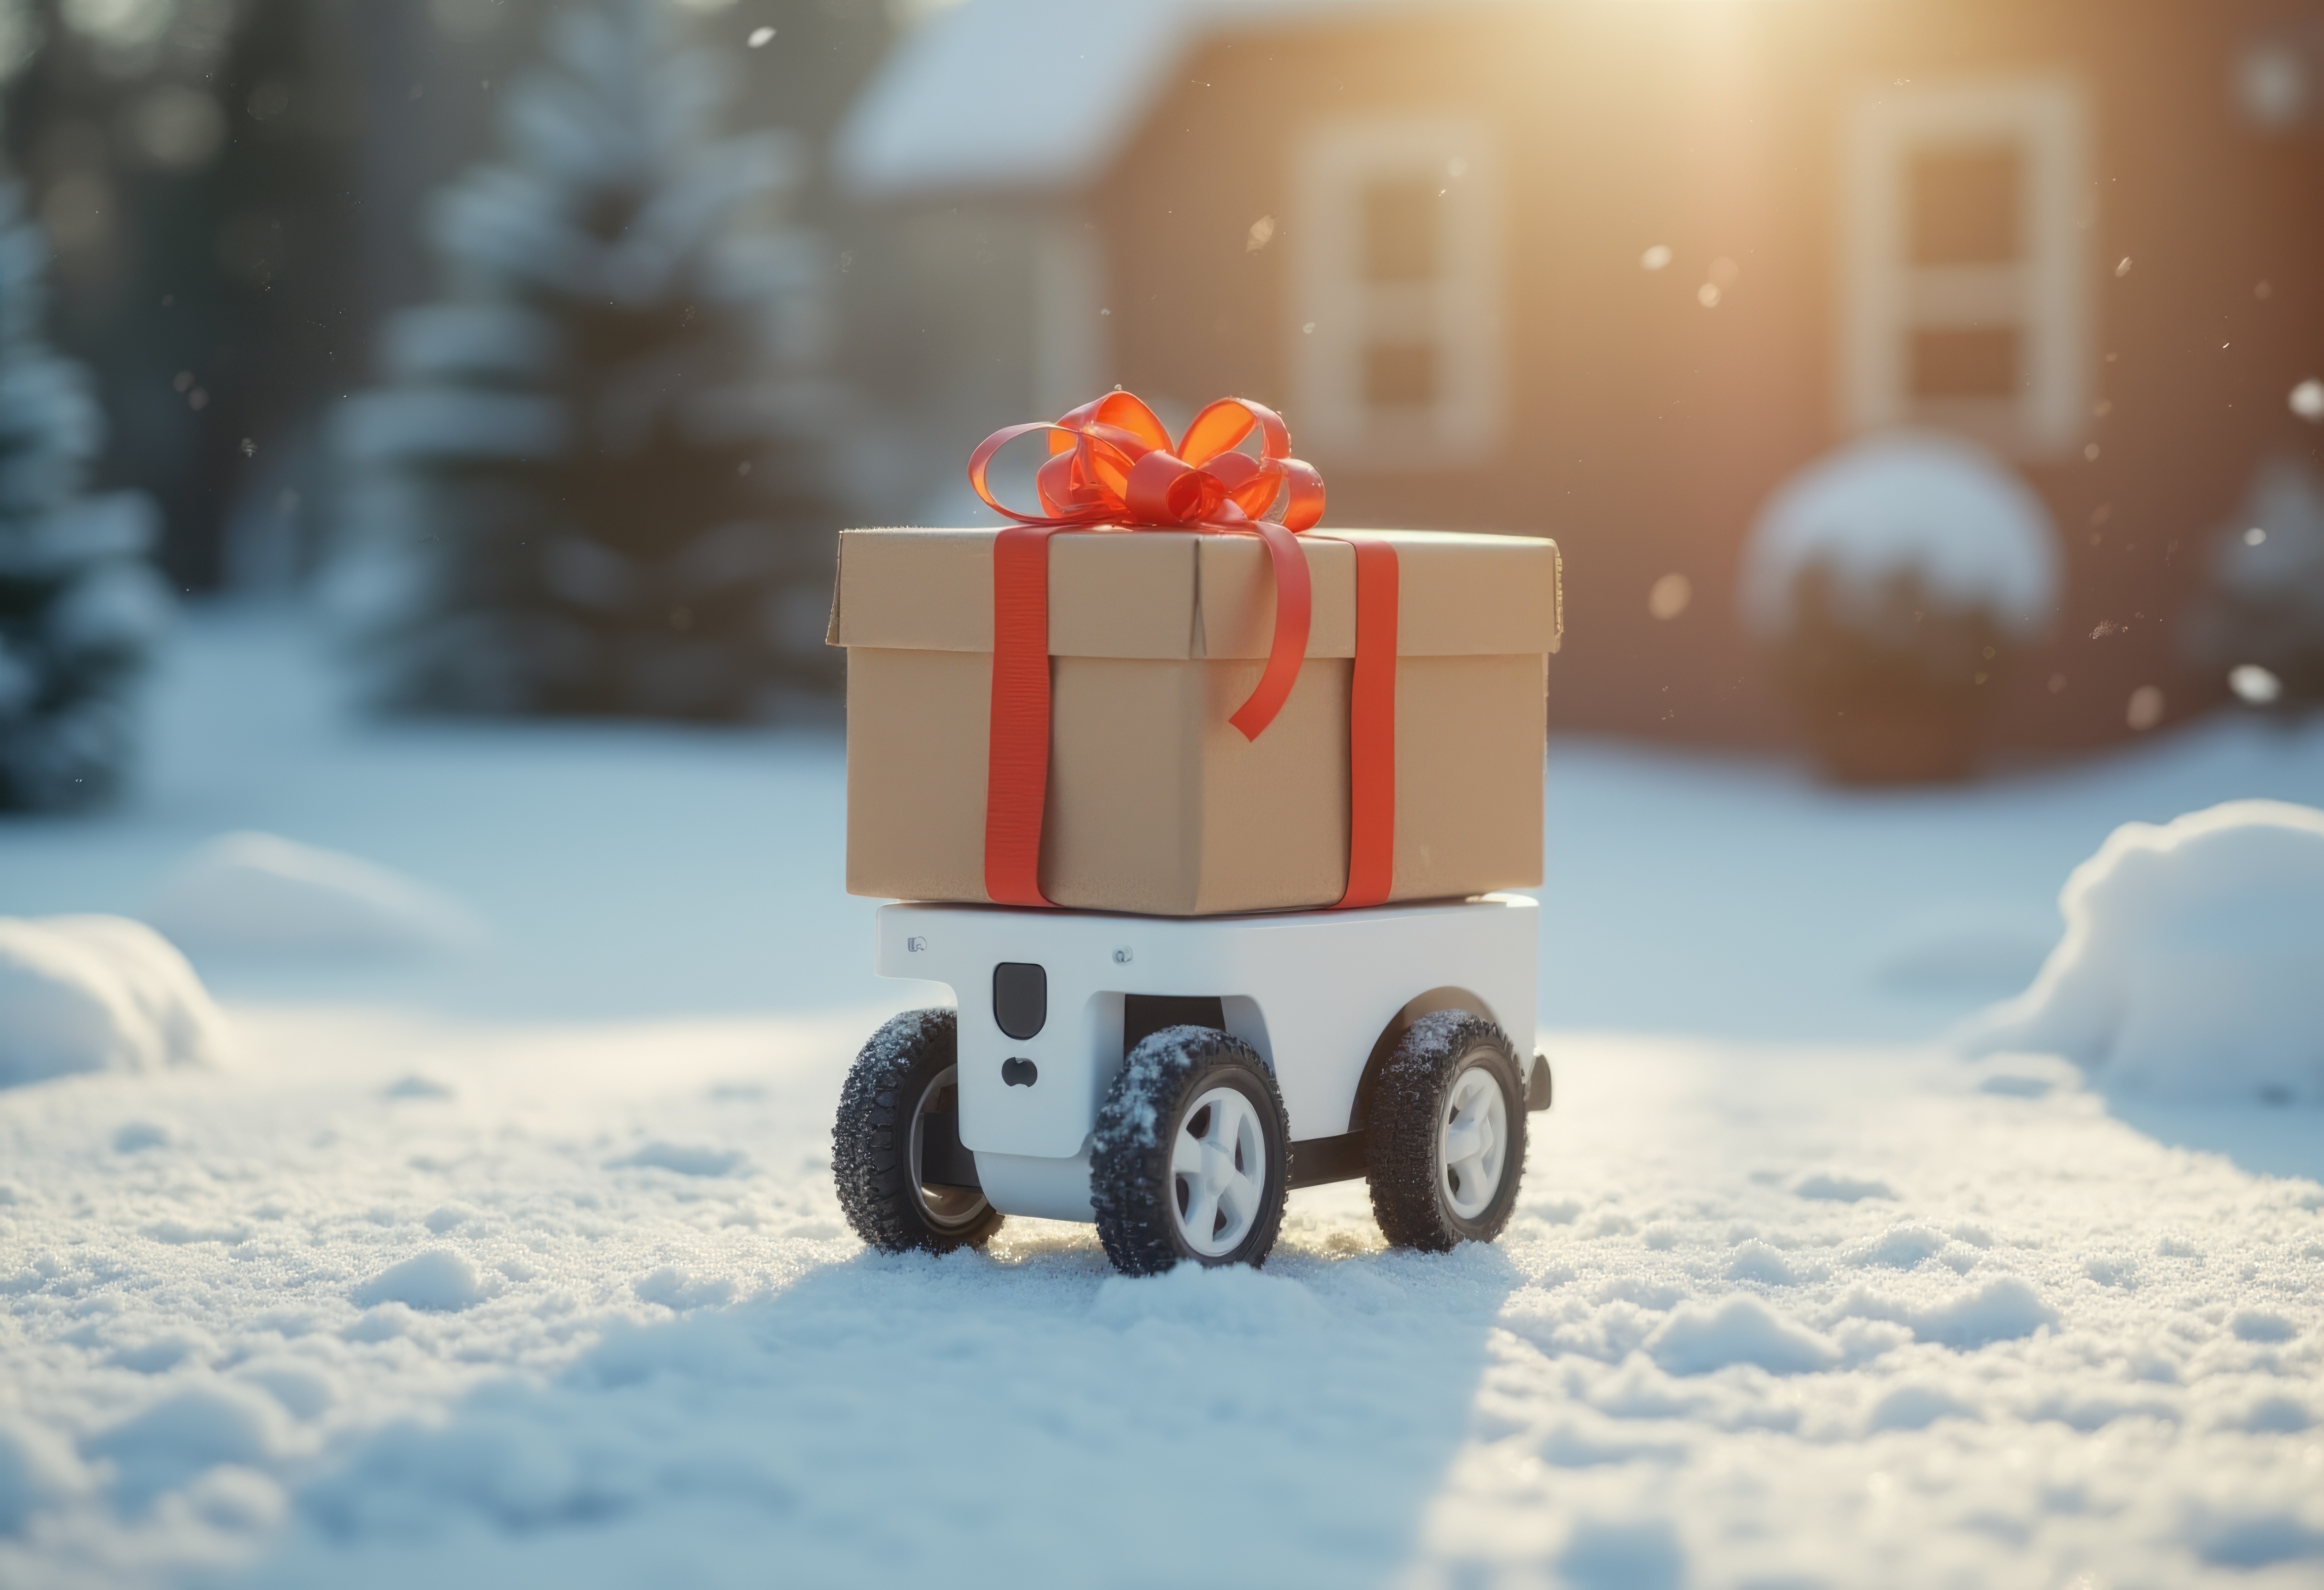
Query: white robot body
[{"x": 1049, "y": 1002}]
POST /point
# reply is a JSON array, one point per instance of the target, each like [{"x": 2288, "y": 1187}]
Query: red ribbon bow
[{"x": 1113, "y": 467}]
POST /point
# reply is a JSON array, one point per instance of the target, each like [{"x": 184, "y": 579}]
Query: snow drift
[
  {"x": 2193, "y": 960},
  {"x": 260, "y": 894},
  {"x": 95, "y": 994}
]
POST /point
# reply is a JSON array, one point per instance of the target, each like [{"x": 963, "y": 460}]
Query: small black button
[
  {"x": 1021, "y": 997},
  {"x": 1019, "y": 1073}
]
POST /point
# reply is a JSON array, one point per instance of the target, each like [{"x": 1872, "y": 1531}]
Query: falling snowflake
[{"x": 2254, "y": 685}]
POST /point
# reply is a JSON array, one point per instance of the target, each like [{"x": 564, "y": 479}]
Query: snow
[
  {"x": 2253, "y": 685},
  {"x": 1029, "y": 95},
  {"x": 439, "y": 1279},
  {"x": 391, "y": 424},
  {"x": 1906, "y": 503},
  {"x": 660, "y": 1377},
  {"x": 1009, "y": 94},
  {"x": 457, "y": 339},
  {"x": 2193, "y": 960},
  {"x": 1740, "y": 1330},
  {"x": 95, "y": 994},
  {"x": 523, "y": 1266},
  {"x": 261, "y": 893},
  {"x": 116, "y": 606}
]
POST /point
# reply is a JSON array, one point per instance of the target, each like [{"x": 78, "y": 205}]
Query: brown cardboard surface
[{"x": 1155, "y": 802}]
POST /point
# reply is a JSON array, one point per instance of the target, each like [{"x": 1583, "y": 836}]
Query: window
[
  {"x": 1963, "y": 206},
  {"x": 1965, "y": 276},
  {"x": 1394, "y": 322}
]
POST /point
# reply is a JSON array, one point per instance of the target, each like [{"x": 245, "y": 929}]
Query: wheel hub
[
  {"x": 1472, "y": 1142},
  {"x": 945, "y": 1208},
  {"x": 1217, "y": 1171}
]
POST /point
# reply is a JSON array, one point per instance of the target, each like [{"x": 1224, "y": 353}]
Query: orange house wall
[{"x": 1645, "y": 431}]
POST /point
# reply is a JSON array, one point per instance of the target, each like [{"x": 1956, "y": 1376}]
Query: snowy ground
[{"x": 522, "y": 1266}]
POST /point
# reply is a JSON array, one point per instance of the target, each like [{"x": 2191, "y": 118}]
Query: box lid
[{"x": 1177, "y": 595}]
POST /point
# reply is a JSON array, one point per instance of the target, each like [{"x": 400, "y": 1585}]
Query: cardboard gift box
[{"x": 1155, "y": 804}]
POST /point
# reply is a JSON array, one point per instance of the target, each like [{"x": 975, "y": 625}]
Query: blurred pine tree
[
  {"x": 195, "y": 164},
  {"x": 79, "y": 605},
  {"x": 591, "y": 481}
]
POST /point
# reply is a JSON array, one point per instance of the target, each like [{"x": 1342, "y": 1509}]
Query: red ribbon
[{"x": 1113, "y": 467}]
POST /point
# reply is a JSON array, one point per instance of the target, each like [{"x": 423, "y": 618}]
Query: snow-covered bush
[
  {"x": 97, "y": 994},
  {"x": 2193, "y": 960},
  {"x": 79, "y": 606},
  {"x": 591, "y": 484},
  {"x": 1893, "y": 580},
  {"x": 2263, "y": 607}
]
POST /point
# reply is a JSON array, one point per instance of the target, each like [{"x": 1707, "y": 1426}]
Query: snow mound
[
  {"x": 2003, "y": 1309},
  {"x": 439, "y": 1280},
  {"x": 2193, "y": 960},
  {"x": 1905, "y": 503},
  {"x": 1696, "y": 1340},
  {"x": 37, "y": 1469},
  {"x": 99, "y": 994},
  {"x": 674, "y": 1288},
  {"x": 260, "y": 894},
  {"x": 184, "y": 1435},
  {"x": 684, "y": 1159}
]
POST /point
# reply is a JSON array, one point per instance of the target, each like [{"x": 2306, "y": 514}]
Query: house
[{"x": 1611, "y": 271}]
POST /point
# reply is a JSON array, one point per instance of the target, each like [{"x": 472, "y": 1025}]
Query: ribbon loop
[{"x": 1111, "y": 464}]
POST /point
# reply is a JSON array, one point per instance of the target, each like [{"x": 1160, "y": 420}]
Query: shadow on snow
[
  {"x": 964, "y": 1421},
  {"x": 2265, "y": 1140}
]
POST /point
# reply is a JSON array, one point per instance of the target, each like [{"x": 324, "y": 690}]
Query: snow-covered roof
[{"x": 1029, "y": 94}]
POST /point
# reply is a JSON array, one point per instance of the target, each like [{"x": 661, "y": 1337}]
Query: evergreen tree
[
  {"x": 590, "y": 484},
  {"x": 193, "y": 165},
  {"x": 79, "y": 605},
  {"x": 2264, "y": 603}
]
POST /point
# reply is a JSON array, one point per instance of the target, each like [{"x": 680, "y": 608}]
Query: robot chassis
[{"x": 1172, "y": 1079}]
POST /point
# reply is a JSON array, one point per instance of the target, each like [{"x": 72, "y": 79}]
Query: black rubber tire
[
  {"x": 1131, "y": 1186},
  {"x": 870, "y": 1156},
  {"x": 1401, "y": 1147}
]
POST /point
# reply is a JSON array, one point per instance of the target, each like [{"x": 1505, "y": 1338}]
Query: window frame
[
  {"x": 1458, "y": 314},
  {"x": 2044, "y": 295}
]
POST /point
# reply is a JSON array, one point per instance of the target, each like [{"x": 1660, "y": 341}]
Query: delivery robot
[{"x": 1173, "y": 1079}]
